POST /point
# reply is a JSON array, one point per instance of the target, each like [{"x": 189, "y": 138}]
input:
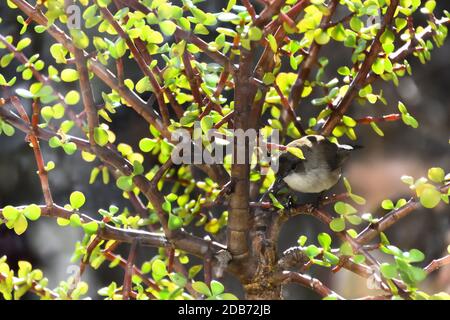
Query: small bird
[{"x": 319, "y": 171}]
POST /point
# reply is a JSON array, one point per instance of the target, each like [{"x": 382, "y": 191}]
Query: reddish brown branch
[
  {"x": 96, "y": 67},
  {"x": 32, "y": 137},
  {"x": 141, "y": 63},
  {"x": 360, "y": 79},
  {"x": 40, "y": 77},
  {"x": 385, "y": 118},
  {"x": 250, "y": 9},
  {"x": 437, "y": 264},
  {"x": 314, "y": 284},
  {"x": 36, "y": 289},
  {"x": 129, "y": 270},
  {"x": 307, "y": 65}
]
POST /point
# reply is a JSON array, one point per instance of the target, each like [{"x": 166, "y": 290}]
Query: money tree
[{"x": 264, "y": 65}]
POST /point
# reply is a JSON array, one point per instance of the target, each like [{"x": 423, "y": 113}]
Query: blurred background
[{"x": 374, "y": 173}]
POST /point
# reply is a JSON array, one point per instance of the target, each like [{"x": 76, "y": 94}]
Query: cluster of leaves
[
  {"x": 12, "y": 286},
  {"x": 188, "y": 200}
]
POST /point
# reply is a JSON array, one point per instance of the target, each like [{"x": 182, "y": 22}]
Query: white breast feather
[{"x": 314, "y": 181}]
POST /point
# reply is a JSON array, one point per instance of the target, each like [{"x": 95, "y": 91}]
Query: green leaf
[
  {"x": 5, "y": 61},
  {"x": 216, "y": 287},
  {"x": 312, "y": 251},
  {"x": 194, "y": 270},
  {"x": 356, "y": 24},
  {"x": 436, "y": 174},
  {"x": 72, "y": 97},
  {"x": 70, "y": 148},
  {"x": 377, "y": 129},
  {"x": 378, "y": 66},
  {"x": 358, "y": 199},
  {"x": 159, "y": 269},
  {"x": 337, "y": 224},
  {"x": 7, "y": 129},
  {"x": 147, "y": 145},
  {"x": 90, "y": 227},
  {"x": 276, "y": 203},
  {"x": 23, "y": 44},
  {"x": 228, "y": 17},
  {"x": 344, "y": 71},
  {"x": 302, "y": 240},
  {"x": 202, "y": 288},
  {"x": 387, "y": 204},
  {"x": 62, "y": 222},
  {"x": 324, "y": 240},
  {"x": 138, "y": 168},
  {"x": 168, "y": 27},
  {"x": 226, "y": 296},
  {"x": 175, "y": 222},
  {"x": 272, "y": 43},
  {"x": 415, "y": 255},
  {"x": 402, "y": 108},
  {"x": 125, "y": 183},
  {"x": 178, "y": 279},
  {"x": 32, "y": 212},
  {"x": 359, "y": 258},
  {"x": 331, "y": 258},
  {"x": 346, "y": 249},
  {"x": 389, "y": 271},
  {"x": 69, "y": 75},
  {"x": 353, "y": 219},
  {"x": 101, "y": 136},
  {"x": 410, "y": 120},
  {"x": 343, "y": 208},
  {"x": 54, "y": 142},
  {"x": 10, "y": 213},
  {"x": 206, "y": 123},
  {"x": 296, "y": 152},
  {"x": 430, "y": 198},
  {"x": 321, "y": 36},
  {"x": 103, "y": 3},
  {"x": 80, "y": 39},
  {"x": 77, "y": 199},
  {"x": 255, "y": 34},
  {"x": 20, "y": 225},
  {"x": 417, "y": 274}
]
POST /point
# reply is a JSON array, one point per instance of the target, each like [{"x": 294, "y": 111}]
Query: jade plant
[{"x": 253, "y": 65}]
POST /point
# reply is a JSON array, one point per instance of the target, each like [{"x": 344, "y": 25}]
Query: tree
[{"x": 254, "y": 72}]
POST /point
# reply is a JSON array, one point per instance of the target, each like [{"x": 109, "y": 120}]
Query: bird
[{"x": 320, "y": 169}]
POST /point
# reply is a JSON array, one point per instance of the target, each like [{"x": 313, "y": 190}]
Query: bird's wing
[
  {"x": 288, "y": 163},
  {"x": 330, "y": 152}
]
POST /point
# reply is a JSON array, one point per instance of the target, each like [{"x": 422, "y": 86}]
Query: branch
[
  {"x": 271, "y": 9},
  {"x": 360, "y": 79},
  {"x": 186, "y": 242},
  {"x": 306, "y": 66},
  {"x": 35, "y": 288},
  {"x": 437, "y": 264},
  {"x": 158, "y": 91},
  {"x": 129, "y": 270},
  {"x": 385, "y": 118},
  {"x": 239, "y": 216},
  {"x": 40, "y": 77},
  {"x": 372, "y": 230},
  {"x": 97, "y": 68},
  {"x": 179, "y": 239},
  {"x": 410, "y": 47},
  {"x": 314, "y": 284},
  {"x": 32, "y": 137}
]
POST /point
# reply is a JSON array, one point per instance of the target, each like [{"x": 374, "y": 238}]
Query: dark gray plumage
[{"x": 319, "y": 171}]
